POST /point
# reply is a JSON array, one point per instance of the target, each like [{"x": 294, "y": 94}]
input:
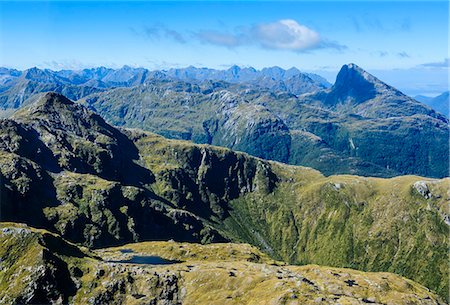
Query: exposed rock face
[
  {"x": 30, "y": 272},
  {"x": 356, "y": 91},
  {"x": 379, "y": 124},
  {"x": 145, "y": 187},
  {"x": 203, "y": 180},
  {"x": 69, "y": 169},
  {"x": 355, "y": 85},
  {"x": 249, "y": 128},
  {"x": 41, "y": 268},
  {"x": 80, "y": 140},
  {"x": 422, "y": 188},
  {"x": 75, "y": 178}
]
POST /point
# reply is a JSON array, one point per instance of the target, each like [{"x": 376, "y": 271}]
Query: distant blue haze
[{"x": 402, "y": 42}]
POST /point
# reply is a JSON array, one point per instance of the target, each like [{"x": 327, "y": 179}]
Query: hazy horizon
[{"x": 404, "y": 43}]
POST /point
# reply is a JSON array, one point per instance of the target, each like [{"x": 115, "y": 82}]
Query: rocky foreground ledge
[{"x": 39, "y": 267}]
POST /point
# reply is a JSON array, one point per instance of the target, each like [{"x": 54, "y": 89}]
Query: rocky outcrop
[
  {"x": 201, "y": 179},
  {"x": 81, "y": 141},
  {"x": 32, "y": 271},
  {"x": 422, "y": 188}
]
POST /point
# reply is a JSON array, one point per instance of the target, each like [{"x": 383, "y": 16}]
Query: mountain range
[
  {"x": 17, "y": 86},
  {"x": 65, "y": 169},
  {"x": 359, "y": 125},
  {"x": 440, "y": 103}
]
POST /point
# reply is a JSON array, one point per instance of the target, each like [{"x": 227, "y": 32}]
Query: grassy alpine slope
[
  {"x": 371, "y": 224},
  {"x": 63, "y": 168},
  {"x": 41, "y": 267}
]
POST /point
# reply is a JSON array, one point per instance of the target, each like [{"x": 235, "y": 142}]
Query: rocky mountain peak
[
  {"x": 39, "y": 75},
  {"x": 234, "y": 70},
  {"x": 48, "y": 102},
  {"x": 56, "y": 111},
  {"x": 52, "y": 98},
  {"x": 354, "y": 82},
  {"x": 351, "y": 75},
  {"x": 80, "y": 140}
]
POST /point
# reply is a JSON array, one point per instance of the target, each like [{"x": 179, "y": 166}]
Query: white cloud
[{"x": 286, "y": 34}]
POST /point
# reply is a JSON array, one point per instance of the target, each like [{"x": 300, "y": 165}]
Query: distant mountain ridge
[
  {"x": 360, "y": 125},
  {"x": 352, "y": 127},
  {"x": 236, "y": 74},
  {"x": 16, "y": 89},
  {"x": 439, "y": 103}
]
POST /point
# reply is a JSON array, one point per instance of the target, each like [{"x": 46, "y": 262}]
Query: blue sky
[{"x": 404, "y": 43}]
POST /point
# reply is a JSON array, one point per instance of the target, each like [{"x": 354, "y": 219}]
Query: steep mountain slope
[
  {"x": 63, "y": 168},
  {"x": 250, "y": 128},
  {"x": 214, "y": 113},
  {"x": 381, "y": 125},
  {"x": 439, "y": 103},
  {"x": 41, "y": 268},
  {"x": 358, "y": 92}
]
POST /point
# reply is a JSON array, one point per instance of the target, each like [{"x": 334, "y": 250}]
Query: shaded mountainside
[
  {"x": 358, "y": 126},
  {"x": 65, "y": 169},
  {"x": 39, "y": 267}
]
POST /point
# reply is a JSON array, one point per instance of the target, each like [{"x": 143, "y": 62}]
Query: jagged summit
[
  {"x": 355, "y": 83},
  {"x": 80, "y": 140},
  {"x": 40, "y": 75},
  {"x": 54, "y": 98},
  {"x": 55, "y": 110},
  {"x": 359, "y": 92},
  {"x": 32, "y": 72},
  {"x": 44, "y": 102},
  {"x": 352, "y": 72}
]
